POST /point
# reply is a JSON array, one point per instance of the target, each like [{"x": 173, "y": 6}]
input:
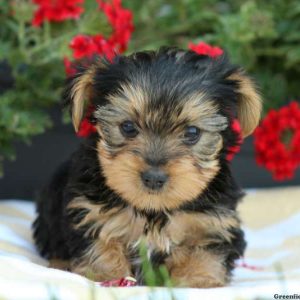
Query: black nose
[{"x": 154, "y": 178}]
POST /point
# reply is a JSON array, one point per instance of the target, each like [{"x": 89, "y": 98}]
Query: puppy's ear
[
  {"x": 77, "y": 94},
  {"x": 249, "y": 102}
]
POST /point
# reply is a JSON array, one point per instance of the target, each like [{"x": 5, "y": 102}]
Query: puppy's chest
[
  {"x": 131, "y": 229},
  {"x": 161, "y": 232}
]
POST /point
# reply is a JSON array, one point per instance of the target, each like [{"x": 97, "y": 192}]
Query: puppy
[{"x": 155, "y": 171}]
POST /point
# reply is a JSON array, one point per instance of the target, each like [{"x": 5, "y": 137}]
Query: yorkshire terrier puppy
[{"x": 156, "y": 170}]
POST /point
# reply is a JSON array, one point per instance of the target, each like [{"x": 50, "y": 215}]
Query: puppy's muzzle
[{"x": 154, "y": 178}]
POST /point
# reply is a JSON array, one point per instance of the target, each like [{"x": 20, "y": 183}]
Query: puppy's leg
[
  {"x": 103, "y": 261},
  {"x": 196, "y": 268}
]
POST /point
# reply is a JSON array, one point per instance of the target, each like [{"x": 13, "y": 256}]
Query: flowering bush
[
  {"x": 277, "y": 141},
  {"x": 120, "y": 19},
  {"x": 36, "y": 36}
]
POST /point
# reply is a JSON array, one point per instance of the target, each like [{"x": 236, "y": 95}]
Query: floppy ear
[
  {"x": 77, "y": 93},
  {"x": 249, "y": 102}
]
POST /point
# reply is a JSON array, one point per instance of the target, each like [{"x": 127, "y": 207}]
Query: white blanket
[{"x": 271, "y": 265}]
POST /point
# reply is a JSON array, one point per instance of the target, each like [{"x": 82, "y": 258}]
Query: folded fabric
[{"x": 271, "y": 265}]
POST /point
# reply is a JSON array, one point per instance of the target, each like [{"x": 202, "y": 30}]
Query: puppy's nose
[{"x": 154, "y": 178}]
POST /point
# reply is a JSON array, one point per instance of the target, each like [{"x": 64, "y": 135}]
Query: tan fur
[
  {"x": 196, "y": 268},
  {"x": 250, "y": 103},
  {"x": 122, "y": 174},
  {"x": 207, "y": 149},
  {"x": 80, "y": 93},
  {"x": 196, "y": 108},
  {"x": 133, "y": 99},
  {"x": 192, "y": 229}
]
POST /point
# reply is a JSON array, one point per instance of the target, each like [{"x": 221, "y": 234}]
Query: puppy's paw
[
  {"x": 103, "y": 261},
  {"x": 197, "y": 269},
  {"x": 201, "y": 282}
]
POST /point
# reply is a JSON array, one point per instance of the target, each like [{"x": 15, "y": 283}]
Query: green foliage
[
  {"x": 35, "y": 56},
  {"x": 262, "y": 36},
  {"x": 153, "y": 276}
]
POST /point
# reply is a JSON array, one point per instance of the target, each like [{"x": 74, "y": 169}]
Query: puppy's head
[{"x": 164, "y": 121}]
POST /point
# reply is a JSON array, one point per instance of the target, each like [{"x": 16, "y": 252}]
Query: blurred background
[{"x": 41, "y": 40}]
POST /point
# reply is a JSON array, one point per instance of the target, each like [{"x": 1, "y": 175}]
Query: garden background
[{"x": 39, "y": 44}]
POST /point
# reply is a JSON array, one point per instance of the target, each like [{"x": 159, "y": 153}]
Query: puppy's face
[
  {"x": 158, "y": 156},
  {"x": 162, "y": 118}
]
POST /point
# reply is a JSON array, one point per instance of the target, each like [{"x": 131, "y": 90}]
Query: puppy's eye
[
  {"x": 191, "y": 135},
  {"x": 128, "y": 129}
]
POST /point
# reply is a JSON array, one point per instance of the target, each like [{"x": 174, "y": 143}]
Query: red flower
[
  {"x": 277, "y": 141},
  {"x": 121, "y": 22},
  {"x": 104, "y": 47},
  {"x": 56, "y": 10},
  {"x": 123, "y": 282},
  {"x": 86, "y": 46},
  {"x": 206, "y": 49},
  {"x": 69, "y": 68},
  {"x": 83, "y": 46},
  {"x": 236, "y": 128},
  {"x": 86, "y": 127}
]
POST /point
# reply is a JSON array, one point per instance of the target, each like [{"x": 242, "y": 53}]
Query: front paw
[
  {"x": 198, "y": 268},
  {"x": 103, "y": 261},
  {"x": 198, "y": 282}
]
